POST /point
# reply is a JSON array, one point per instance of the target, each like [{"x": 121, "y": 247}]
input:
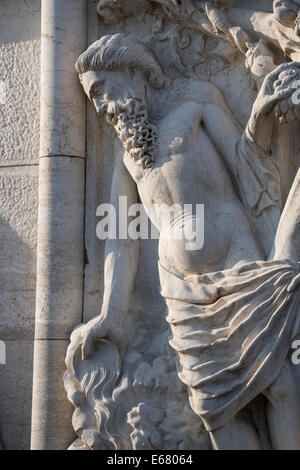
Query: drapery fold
[{"x": 232, "y": 331}]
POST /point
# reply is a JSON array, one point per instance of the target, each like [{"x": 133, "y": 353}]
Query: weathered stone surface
[
  {"x": 18, "y": 232},
  {"x": 20, "y": 71},
  {"x": 62, "y": 106},
  {"x": 54, "y": 411},
  {"x": 19, "y": 147},
  {"x": 60, "y": 257},
  {"x": 59, "y": 293},
  {"x": 16, "y": 394}
]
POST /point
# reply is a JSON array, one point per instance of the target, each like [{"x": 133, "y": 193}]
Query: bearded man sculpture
[{"x": 232, "y": 305}]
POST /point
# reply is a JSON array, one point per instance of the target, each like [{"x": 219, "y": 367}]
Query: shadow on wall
[{"x": 17, "y": 309}]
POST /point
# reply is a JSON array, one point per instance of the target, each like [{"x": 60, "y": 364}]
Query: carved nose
[{"x": 98, "y": 106}]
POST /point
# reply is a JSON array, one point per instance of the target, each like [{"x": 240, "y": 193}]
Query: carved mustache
[
  {"x": 113, "y": 109},
  {"x": 109, "y": 107}
]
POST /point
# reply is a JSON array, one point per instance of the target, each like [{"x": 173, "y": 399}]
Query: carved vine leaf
[
  {"x": 210, "y": 20},
  {"x": 179, "y": 38},
  {"x": 182, "y": 23}
]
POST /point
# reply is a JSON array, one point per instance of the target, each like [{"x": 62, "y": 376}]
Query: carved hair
[{"x": 120, "y": 52}]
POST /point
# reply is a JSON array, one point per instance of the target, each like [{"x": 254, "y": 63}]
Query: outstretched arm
[{"x": 120, "y": 269}]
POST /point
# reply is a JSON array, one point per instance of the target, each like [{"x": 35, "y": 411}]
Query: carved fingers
[
  {"x": 287, "y": 77},
  {"x": 287, "y": 111},
  {"x": 287, "y": 90},
  {"x": 87, "y": 346},
  {"x": 281, "y": 77},
  {"x": 279, "y": 86},
  {"x": 93, "y": 333}
]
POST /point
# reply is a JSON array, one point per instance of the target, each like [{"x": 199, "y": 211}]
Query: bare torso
[{"x": 189, "y": 170}]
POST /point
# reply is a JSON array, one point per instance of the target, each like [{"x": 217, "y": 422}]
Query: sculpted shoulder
[
  {"x": 183, "y": 92},
  {"x": 204, "y": 91},
  {"x": 181, "y": 116}
]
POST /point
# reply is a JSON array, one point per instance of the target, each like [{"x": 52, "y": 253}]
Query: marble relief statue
[{"x": 233, "y": 303}]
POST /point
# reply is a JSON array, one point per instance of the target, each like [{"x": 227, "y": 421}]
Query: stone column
[{"x": 61, "y": 217}]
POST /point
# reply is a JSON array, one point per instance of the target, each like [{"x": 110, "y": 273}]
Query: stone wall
[{"x": 19, "y": 146}]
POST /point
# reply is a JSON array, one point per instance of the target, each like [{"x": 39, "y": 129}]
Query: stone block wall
[{"x": 19, "y": 147}]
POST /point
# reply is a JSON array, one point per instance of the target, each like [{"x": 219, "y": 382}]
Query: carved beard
[{"x": 138, "y": 136}]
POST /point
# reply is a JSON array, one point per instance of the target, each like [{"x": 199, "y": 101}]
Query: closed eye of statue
[{"x": 97, "y": 89}]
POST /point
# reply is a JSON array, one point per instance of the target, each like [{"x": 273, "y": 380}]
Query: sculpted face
[
  {"x": 121, "y": 97},
  {"x": 107, "y": 89},
  {"x": 287, "y": 11}
]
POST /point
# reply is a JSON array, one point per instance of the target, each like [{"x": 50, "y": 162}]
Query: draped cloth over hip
[{"x": 232, "y": 331}]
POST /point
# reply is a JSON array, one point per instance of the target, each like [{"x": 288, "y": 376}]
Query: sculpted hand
[
  {"x": 277, "y": 89},
  {"x": 95, "y": 330},
  {"x": 288, "y": 109}
]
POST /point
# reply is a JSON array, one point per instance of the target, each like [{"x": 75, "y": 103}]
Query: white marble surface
[{"x": 177, "y": 112}]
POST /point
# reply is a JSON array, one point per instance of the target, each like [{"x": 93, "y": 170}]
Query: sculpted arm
[
  {"x": 120, "y": 269},
  {"x": 274, "y": 101},
  {"x": 223, "y": 130},
  {"x": 121, "y": 256},
  {"x": 256, "y": 175}
]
